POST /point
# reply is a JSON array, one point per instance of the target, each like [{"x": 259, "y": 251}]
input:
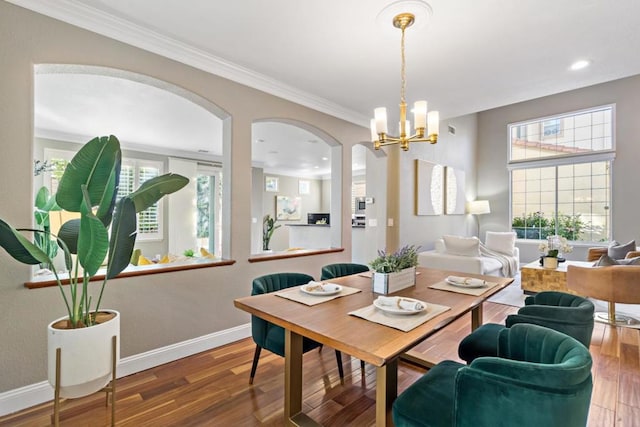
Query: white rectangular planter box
[{"x": 388, "y": 283}]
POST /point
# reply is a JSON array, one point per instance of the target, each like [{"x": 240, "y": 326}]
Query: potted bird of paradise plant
[{"x": 105, "y": 230}]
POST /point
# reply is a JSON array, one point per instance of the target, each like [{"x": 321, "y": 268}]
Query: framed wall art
[
  {"x": 429, "y": 188},
  {"x": 288, "y": 208},
  {"x": 271, "y": 184}
]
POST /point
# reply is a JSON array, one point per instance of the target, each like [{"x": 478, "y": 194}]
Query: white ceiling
[{"x": 333, "y": 56}]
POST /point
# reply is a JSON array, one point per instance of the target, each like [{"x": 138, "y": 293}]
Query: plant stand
[{"x": 111, "y": 388}]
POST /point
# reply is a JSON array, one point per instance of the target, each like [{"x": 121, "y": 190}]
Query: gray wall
[
  {"x": 157, "y": 310},
  {"x": 493, "y": 177},
  {"x": 457, "y": 151}
]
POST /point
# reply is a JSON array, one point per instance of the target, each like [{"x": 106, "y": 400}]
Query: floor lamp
[{"x": 478, "y": 207}]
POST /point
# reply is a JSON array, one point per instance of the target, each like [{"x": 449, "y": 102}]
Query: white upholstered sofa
[{"x": 497, "y": 257}]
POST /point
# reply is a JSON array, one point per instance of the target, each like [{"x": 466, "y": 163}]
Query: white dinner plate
[
  {"x": 398, "y": 310},
  {"x": 331, "y": 289},
  {"x": 466, "y": 285}
]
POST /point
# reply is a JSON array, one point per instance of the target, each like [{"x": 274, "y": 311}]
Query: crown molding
[{"x": 80, "y": 15}]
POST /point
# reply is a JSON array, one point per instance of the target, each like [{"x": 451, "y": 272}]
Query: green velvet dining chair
[
  {"x": 541, "y": 377},
  {"x": 269, "y": 336},
  {"x": 566, "y": 313},
  {"x": 331, "y": 271}
]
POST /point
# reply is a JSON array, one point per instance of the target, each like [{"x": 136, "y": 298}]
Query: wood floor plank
[{"x": 212, "y": 388}]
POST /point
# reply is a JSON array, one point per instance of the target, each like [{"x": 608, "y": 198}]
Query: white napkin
[
  {"x": 314, "y": 286},
  {"x": 401, "y": 303},
  {"x": 466, "y": 281}
]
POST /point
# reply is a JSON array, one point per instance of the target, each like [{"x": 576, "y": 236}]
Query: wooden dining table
[{"x": 331, "y": 324}]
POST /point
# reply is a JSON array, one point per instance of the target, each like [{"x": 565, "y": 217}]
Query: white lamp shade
[
  {"x": 374, "y": 134},
  {"x": 433, "y": 123},
  {"x": 420, "y": 114},
  {"x": 478, "y": 207},
  {"x": 407, "y": 127},
  {"x": 380, "y": 115}
]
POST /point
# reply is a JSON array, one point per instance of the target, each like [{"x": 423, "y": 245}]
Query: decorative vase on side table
[{"x": 550, "y": 262}]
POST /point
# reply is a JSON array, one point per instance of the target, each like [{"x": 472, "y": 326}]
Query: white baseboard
[{"x": 24, "y": 397}]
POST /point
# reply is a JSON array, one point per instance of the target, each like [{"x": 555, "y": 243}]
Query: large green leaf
[
  {"x": 19, "y": 247},
  {"x": 108, "y": 201},
  {"x": 69, "y": 232},
  {"x": 42, "y": 198},
  {"x": 93, "y": 242},
  {"x": 154, "y": 189},
  {"x": 92, "y": 166},
  {"x": 123, "y": 237}
]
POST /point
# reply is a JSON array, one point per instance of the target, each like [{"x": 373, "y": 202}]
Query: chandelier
[{"x": 426, "y": 125}]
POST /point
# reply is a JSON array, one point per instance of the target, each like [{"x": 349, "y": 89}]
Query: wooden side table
[{"x": 535, "y": 278}]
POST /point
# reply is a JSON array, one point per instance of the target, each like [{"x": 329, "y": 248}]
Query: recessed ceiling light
[
  {"x": 313, "y": 141},
  {"x": 579, "y": 65},
  {"x": 259, "y": 140},
  {"x": 316, "y": 167},
  {"x": 272, "y": 152},
  {"x": 325, "y": 158}
]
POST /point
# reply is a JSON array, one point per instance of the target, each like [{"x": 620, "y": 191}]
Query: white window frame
[{"x": 563, "y": 159}]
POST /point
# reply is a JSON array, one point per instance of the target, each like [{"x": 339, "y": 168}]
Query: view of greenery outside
[
  {"x": 203, "y": 205},
  {"x": 209, "y": 210},
  {"x": 560, "y": 170},
  {"x": 537, "y": 226}
]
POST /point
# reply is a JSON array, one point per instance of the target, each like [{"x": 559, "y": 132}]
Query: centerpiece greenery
[
  {"x": 105, "y": 229},
  {"x": 394, "y": 271},
  {"x": 405, "y": 257}
]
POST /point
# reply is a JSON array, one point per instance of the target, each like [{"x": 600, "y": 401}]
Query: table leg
[
  {"x": 476, "y": 317},
  {"x": 292, "y": 375},
  {"x": 386, "y": 392}
]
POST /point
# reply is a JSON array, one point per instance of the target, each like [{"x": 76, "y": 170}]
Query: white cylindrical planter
[{"x": 86, "y": 356}]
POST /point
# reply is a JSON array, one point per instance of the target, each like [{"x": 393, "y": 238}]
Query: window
[
  {"x": 560, "y": 170},
  {"x": 133, "y": 174},
  {"x": 209, "y": 206}
]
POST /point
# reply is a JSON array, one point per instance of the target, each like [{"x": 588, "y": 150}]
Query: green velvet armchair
[
  {"x": 332, "y": 271},
  {"x": 541, "y": 377},
  {"x": 270, "y": 336},
  {"x": 569, "y": 314}
]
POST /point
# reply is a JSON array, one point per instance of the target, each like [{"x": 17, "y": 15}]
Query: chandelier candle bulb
[
  {"x": 407, "y": 127},
  {"x": 380, "y": 115},
  {"x": 374, "y": 134},
  {"x": 433, "y": 123},
  {"x": 420, "y": 114}
]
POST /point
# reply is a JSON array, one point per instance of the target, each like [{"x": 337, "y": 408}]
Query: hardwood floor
[{"x": 211, "y": 388}]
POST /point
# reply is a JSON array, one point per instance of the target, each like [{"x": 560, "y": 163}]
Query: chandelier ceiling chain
[
  {"x": 422, "y": 120},
  {"x": 403, "y": 65}
]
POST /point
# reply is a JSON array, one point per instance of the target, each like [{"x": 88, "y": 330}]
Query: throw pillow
[
  {"x": 502, "y": 242},
  {"x": 618, "y": 251},
  {"x": 465, "y": 246},
  {"x": 606, "y": 260}
]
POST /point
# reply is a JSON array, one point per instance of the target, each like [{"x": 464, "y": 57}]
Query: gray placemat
[
  {"x": 399, "y": 321},
  {"x": 444, "y": 286},
  {"x": 295, "y": 294}
]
